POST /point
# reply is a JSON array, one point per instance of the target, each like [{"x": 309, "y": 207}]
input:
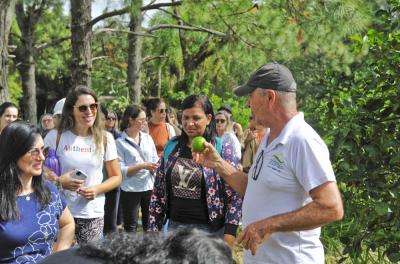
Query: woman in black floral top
[{"x": 187, "y": 193}]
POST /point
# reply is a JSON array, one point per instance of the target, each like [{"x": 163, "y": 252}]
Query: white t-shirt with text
[{"x": 78, "y": 152}]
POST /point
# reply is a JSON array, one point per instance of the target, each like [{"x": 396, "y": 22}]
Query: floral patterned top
[{"x": 222, "y": 201}]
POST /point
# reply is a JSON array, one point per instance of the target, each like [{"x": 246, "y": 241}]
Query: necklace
[{"x": 28, "y": 198}]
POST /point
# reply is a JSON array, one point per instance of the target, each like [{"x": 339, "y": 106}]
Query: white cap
[{"x": 59, "y": 107}]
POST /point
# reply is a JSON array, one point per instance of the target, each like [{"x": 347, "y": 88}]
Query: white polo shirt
[{"x": 279, "y": 181}]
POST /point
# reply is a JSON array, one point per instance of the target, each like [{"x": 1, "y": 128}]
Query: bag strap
[
  {"x": 218, "y": 144},
  {"x": 169, "y": 147},
  {"x": 58, "y": 139},
  {"x": 133, "y": 144}
]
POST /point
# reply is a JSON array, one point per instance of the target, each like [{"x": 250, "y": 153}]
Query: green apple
[{"x": 198, "y": 144}]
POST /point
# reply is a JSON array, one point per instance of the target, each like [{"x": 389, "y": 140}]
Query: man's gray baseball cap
[{"x": 272, "y": 76}]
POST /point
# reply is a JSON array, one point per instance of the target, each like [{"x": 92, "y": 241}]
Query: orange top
[{"x": 160, "y": 135}]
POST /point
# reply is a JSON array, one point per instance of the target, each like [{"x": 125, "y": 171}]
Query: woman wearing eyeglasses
[
  {"x": 82, "y": 144},
  {"x": 187, "y": 193},
  {"x": 33, "y": 213},
  {"x": 8, "y": 114},
  {"x": 46, "y": 123},
  {"x": 138, "y": 158},
  {"x": 111, "y": 124},
  {"x": 224, "y": 128},
  {"x": 159, "y": 129}
]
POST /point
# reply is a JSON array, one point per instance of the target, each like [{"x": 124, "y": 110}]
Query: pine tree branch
[
  {"x": 192, "y": 28},
  {"x": 150, "y": 58},
  {"x": 232, "y": 30},
  {"x": 43, "y": 46},
  {"x": 157, "y": 6},
  {"x": 109, "y": 14},
  {"x": 126, "y": 10},
  {"x": 37, "y": 13},
  {"x": 100, "y": 30},
  {"x": 99, "y": 58}
]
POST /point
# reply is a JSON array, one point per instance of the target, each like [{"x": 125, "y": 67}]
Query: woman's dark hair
[
  {"x": 133, "y": 112},
  {"x": 15, "y": 141},
  {"x": 199, "y": 100},
  {"x": 151, "y": 104},
  {"x": 6, "y": 105},
  {"x": 186, "y": 245}
]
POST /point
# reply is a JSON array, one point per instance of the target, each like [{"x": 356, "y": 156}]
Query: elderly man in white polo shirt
[{"x": 291, "y": 190}]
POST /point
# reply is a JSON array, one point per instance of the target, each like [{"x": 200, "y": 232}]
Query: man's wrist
[
  {"x": 220, "y": 167},
  {"x": 224, "y": 168}
]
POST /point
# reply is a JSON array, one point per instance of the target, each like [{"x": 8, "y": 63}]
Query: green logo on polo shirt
[
  {"x": 276, "y": 162},
  {"x": 279, "y": 157}
]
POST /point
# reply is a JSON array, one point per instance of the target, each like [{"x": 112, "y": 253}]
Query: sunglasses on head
[
  {"x": 217, "y": 120},
  {"x": 84, "y": 108}
]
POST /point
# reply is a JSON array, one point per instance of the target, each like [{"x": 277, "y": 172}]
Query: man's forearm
[
  {"x": 308, "y": 217},
  {"x": 235, "y": 178}
]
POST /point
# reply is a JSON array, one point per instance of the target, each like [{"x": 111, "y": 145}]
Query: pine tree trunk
[
  {"x": 135, "y": 53},
  {"x": 6, "y": 13},
  {"x": 26, "y": 63},
  {"x": 27, "y": 72},
  {"x": 81, "y": 42}
]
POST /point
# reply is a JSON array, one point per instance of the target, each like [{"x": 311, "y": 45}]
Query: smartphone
[{"x": 79, "y": 175}]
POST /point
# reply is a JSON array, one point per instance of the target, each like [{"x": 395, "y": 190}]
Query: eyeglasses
[
  {"x": 161, "y": 111},
  {"x": 111, "y": 118},
  {"x": 35, "y": 152},
  {"x": 84, "y": 108},
  {"x": 259, "y": 163},
  {"x": 217, "y": 120},
  {"x": 47, "y": 120}
]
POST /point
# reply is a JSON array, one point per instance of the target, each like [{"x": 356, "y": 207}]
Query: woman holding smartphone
[
  {"x": 82, "y": 144},
  {"x": 138, "y": 156}
]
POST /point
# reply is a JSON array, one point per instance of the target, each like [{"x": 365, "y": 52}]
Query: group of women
[{"x": 154, "y": 170}]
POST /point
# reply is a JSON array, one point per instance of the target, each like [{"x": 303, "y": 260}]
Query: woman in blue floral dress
[{"x": 185, "y": 192}]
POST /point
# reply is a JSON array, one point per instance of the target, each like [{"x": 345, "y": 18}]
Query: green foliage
[
  {"x": 53, "y": 25},
  {"x": 358, "y": 116},
  {"x": 14, "y": 87},
  {"x": 292, "y": 32}
]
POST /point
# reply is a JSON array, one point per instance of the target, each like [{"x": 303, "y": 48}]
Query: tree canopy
[{"x": 345, "y": 57}]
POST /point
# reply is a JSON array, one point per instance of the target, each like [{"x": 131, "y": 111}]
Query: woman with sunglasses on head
[
  {"x": 8, "y": 114},
  {"x": 138, "y": 158},
  {"x": 84, "y": 147},
  {"x": 187, "y": 193},
  {"x": 159, "y": 129},
  {"x": 225, "y": 131},
  {"x": 33, "y": 214}
]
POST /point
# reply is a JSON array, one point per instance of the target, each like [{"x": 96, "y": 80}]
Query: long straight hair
[
  {"x": 15, "y": 141},
  {"x": 67, "y": 119},
  {"x": 193, "y": 100}
]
